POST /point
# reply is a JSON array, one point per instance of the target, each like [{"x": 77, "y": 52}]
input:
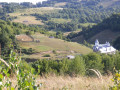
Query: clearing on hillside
[
  {"x": 106, "y": 4},
  {"x": 24, "y": 15},
  {"x": 28, "y": 20},
  {"x": 60, "y": 4},
  {"x": 104, "y": 36},
  {"x": 24, "y": 38},
  {"x": 48, "y": 45}
]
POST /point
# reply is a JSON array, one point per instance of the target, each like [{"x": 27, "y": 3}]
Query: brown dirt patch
[{"x": 24, "y": 38}]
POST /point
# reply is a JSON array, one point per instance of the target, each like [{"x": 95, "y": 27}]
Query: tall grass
[{"x": 74, "y": 83}]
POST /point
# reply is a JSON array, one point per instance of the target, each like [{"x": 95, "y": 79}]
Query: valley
[{"x": 60, "y": 45}]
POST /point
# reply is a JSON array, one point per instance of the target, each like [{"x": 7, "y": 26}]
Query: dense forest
[
  {"x": 112, "y": 23},
  {"x": 85, "y": 11},
  {"x": 116, "y": 43},
  {"x": 89, "y": 11}
]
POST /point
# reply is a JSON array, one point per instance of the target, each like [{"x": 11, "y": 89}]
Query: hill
[
  {"x": 65, "y": 15},
  {"x": 38, "y": 45},
  {"x": 107, "y": 30},
  {"x": 25, "y": 15},
  {"x": 56, "y": 48}
]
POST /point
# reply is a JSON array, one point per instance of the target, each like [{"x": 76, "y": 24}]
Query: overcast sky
[{"x": 19, "y": 1}]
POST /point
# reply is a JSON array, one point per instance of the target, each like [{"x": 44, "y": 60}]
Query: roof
[
  {"x": 70, "y": 56},
  {"x": 107, "y": 49}
]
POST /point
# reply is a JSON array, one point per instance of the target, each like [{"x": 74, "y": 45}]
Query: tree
[
  {"x": 93, "y": 61},
  {"x": 109, "y": 63},
  {"x": 77, "y": 66}
]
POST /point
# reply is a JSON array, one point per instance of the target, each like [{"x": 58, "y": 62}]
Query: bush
[
  {"x": 54, "y": 52},
  {"x": 28, "y": 33},
  {"x": 116, "y": 80},
  {"x": 46, "y": 55},
  {"x": 70, "y": 67},
  {"x": 25, "y": 76},
  {"x": 28, "y": 51}
]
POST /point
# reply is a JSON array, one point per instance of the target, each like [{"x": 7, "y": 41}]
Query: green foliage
[
  {"x": 54, "y": 51},
  {"x": 111, "y": 23},
  {"x": 28, "y": 33},
  {"x": 77, "y": 66},
  {"x": 81, "y": 65},
  {"x": 71, "y": 67},
  {"x": 82, "y": 11},
  {"x": 109, "y": 63},
  {"x": 116, "y": 43},
  {"x": 24, "y": 73},
  {"x": 46, "y": 55},
  {"x": 94, "y": 61},
  {"x": 28, "y": 51},
  {"x": 87, "y": 44},
  {"x": 116, "y": 80}
]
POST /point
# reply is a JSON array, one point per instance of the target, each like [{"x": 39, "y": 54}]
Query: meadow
[
  {"x": 24, "y": 14},
  {"x": 53, "y": 82},
  {"x": 47, "y": 45}
]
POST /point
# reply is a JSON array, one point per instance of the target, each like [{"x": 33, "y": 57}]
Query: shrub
[
  {"x": 25, "y": 76},
  {"x": 46, "y": 55},
  {"x": 116, "y": 80}
]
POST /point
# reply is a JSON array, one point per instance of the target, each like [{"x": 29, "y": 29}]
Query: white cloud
[{"x": 19, "y": 1}]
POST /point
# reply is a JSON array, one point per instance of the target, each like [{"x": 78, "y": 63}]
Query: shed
[
  {"x": 51, "y": 37},
  {"x": 70, "y": 57}
]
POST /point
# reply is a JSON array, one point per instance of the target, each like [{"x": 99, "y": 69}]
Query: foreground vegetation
[
  {"x": 51, "y": 82},
  {"x": 73, "y": 74},
  {"x": 77, "y": 73},
  {"x": 81, "y": 65}
]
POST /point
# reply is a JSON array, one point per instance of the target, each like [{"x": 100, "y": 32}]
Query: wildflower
[
  {"x": 118, "y": 79},
  {"x": 112, "y": 79},
  {"x": 116, "y": 74}
]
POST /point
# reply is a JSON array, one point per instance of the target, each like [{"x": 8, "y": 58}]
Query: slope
[
  {"x": 107, "y": 30},
  {"x": 52, "y": 46}
]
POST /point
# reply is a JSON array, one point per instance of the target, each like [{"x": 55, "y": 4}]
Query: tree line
[
  {"x": 81, "y": 65},
  {"x": 9, "y": 29}
]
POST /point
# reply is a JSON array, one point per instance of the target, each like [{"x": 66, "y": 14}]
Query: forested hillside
[
  {"x": 108, "y": 29},
  {"x": 9, "y": 29},
  {"x": 86, "y": 11},
  {"x": 73, "y": 11}
]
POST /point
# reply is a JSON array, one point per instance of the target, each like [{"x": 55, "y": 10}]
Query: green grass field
[
  {"x": 87, "y": 24},
  {"x": 60, "y": 20},
  {"x": 42, "y": 10},
  {"x": 31, "y": 19},
  {"x": 47, "y": 45}
]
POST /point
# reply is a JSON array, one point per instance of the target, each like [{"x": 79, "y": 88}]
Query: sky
[{"x": 19, "y": 1}]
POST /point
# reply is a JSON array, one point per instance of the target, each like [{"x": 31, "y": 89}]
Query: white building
[
  {"x": 103, "y": 48},
  {"x": 70, "y": 57}
]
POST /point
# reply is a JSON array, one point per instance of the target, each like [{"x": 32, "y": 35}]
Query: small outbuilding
[
  {"x": 70, "y": 57},
  {"x": 51, "y": 37}
]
